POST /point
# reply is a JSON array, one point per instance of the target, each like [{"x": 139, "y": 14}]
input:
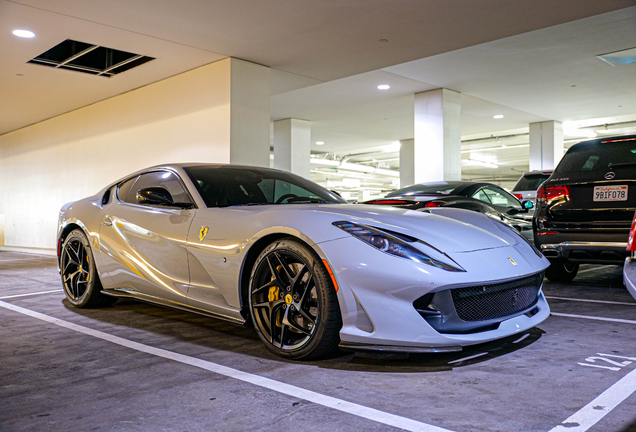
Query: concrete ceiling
[
  {"x": 305, "y": 41},
  {"x": 548, "y": 74}
]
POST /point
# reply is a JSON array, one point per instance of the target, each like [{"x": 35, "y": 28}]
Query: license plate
[{"x": 610, "y": 193}]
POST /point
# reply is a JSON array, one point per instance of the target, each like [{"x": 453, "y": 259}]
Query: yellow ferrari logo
[
  {"x": 202, "y": 233},
  {"x": 512, "y": 261},
  {"x": 289, "y": 299}
]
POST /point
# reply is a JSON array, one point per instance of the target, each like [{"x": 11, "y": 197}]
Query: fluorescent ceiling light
[
  {"x": 482, "y": 164},
  {"x": 618, "y": 58},
  {"x": 384, "y": 87},
  {"x": 23, "y": 33},
  {"x": 501, "y": 147},
  {"x": 320, "y": 142},
  {"x": 391, "y": 148},
  {"x": 498, "y": 116},
  {"x": 325, "y": 162}
]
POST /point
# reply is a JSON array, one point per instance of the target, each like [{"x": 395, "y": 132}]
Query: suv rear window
[
  {"x": 596, "y": 157},
  {"x": 530, "y": 182}
]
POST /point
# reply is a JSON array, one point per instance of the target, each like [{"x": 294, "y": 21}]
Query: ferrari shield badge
[
  {"x": 203, "y": 232},
  {"x": 512, "y": 261}
]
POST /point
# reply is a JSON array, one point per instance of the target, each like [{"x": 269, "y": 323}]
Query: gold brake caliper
[{"x": 272, "y": 295}]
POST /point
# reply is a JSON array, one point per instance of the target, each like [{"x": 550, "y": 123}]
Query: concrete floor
[{"x": 55, "y": 377}]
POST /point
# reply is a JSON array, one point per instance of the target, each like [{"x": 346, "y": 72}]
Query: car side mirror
[
  {"x": 155, "y": 196},
  {"x": 527, "y": 204}
]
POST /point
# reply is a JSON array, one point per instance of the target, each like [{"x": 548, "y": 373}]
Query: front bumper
[
  {"x": 586, "y": 251},
  {"x": 377, "y": 291}
]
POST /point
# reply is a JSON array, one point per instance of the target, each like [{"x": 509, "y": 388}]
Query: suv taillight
[
  {"x": 631, "y": 243},
  {"x": 540, "y": 193},
  {"x": 518, "y": 196},
  {"x": 552, "y": 193}
]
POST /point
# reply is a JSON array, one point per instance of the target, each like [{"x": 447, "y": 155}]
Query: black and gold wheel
[
  {"x": 79, "y": 274},
  {"x": 293, "y": 301}
]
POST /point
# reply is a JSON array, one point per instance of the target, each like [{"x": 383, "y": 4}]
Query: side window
[
  {"x": 501, "y": 198},
  {"x": 481, "y": 196},
  {"x": 162, "y": 179},
  {"x": 124, "y": 189}
]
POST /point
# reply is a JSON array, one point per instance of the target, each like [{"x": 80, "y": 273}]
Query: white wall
[{"x": 185, "y": 118}]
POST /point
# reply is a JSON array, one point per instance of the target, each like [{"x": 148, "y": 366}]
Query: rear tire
[
  {"x": 293, "y": 302},
  {"x": 79, "y": 275},
  {"x": 561, "y": 271}
]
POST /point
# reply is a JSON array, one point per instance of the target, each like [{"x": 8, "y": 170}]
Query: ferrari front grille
[{"x": 487, "y": 302}]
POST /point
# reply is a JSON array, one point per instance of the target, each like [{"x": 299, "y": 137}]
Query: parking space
[{"x": 135, "y": 366}]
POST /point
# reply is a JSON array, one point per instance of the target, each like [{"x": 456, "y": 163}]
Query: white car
[
  {"x": 311, "y": 272},
  {"x": 527, "y": 185}
]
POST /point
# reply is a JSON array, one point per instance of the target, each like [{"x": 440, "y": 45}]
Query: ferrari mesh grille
[{"x": 487, "y": 302}]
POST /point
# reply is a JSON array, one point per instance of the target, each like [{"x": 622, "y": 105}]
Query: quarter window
[{"x": 124, "y": 189}]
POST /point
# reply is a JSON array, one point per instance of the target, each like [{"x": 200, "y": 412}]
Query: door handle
[{"x": 108, "y": 221}]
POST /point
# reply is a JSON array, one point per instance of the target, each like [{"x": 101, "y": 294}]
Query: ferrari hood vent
[{"x": 89, "y": 58}]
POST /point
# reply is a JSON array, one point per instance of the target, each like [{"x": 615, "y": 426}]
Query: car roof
[
  {"x": 535, "y": 172},
  {"x": 460, "y": 187},
  {"x": 604, "y": 140}
]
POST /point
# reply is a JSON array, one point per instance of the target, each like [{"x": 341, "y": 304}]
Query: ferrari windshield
[{"x": 224, "y": 186}]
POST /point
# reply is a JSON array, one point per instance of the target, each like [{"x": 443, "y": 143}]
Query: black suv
[{"x": 585, "y": 209}]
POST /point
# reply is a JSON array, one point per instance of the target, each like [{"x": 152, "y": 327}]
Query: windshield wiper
[{"x": 621, "y": 165}]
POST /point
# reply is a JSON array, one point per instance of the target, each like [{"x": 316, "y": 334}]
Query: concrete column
[
  {"x": 407, "y": 166},
  {"x": 437, "y": 145},
  {"x": 546, "y": 145},
  {"x": 249, "y": 113},
  {"x": 292, "y": 139}
]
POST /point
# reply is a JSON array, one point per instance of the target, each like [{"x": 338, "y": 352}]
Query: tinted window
[
  {"x": 442, "y": 188},
  {"x": 124, "y": 188},
  {"x": 162, "y": 179},
  {"x": 530, "y": 182},
  {"x": 595, "y": 157},
  {"x": 223, "y": 186},
  {"x": 499, "y": 197}
]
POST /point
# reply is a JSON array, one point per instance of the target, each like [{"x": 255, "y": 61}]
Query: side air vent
[{"x": 89, "y": 58}]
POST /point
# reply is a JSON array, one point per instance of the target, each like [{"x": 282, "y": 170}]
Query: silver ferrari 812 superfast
[{"x": 311, "y": 272}]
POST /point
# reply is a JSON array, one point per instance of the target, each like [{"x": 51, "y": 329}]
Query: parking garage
[{"x": 363, "y": 99}]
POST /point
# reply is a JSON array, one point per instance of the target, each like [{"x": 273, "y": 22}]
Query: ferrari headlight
[{"x": 392, "y": 244}]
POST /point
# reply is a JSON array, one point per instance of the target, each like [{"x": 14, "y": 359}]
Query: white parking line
[
  {"x": 287, "y": 389},
  {"x": 591, "y": 301},
  {"x": 593, "y": 412},
  {"x": 618, "y": 320},
  {"x": 30, "y": 294}
]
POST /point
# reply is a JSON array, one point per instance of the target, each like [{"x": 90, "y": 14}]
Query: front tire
[
  {"x": 561, "y": 271},
  {"x": 293, "y": 302},
  {"x": 79, "y": 275}
]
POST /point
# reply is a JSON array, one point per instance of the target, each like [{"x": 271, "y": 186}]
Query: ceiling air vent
[{"x": 88, "y": 58}]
